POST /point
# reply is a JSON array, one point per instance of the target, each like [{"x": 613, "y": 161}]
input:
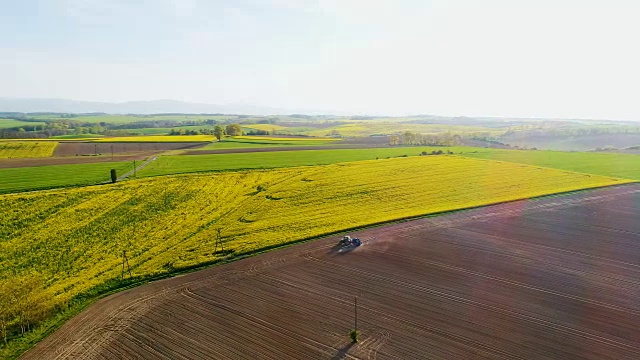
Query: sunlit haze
[{"x": 560, "y": 59}]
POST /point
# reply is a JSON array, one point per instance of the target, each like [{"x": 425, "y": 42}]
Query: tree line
[
  {"x": 48, "y": 128},
  {"x": 411, "y": 138},
  {"x": 67, "y": 126},
  {"x": 218, "y": 131},
  {"x": 23, "y": 304}
]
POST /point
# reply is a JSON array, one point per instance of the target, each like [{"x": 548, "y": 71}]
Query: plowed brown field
[
  {"x": 555, "y": 277},
  {"x": 87, "y": 152},
  {"x": 105, "y": 148}
]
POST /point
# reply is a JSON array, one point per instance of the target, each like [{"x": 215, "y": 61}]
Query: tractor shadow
[
  {"x": 343, "y": 352},
  {"x": 339, "y": 249}
]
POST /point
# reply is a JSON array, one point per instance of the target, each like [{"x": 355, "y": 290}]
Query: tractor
[{"x": 348, "y": 241}]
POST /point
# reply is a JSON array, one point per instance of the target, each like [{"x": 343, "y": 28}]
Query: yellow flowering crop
[
  {"x": 158, "y": 138},
  {"x": 26, "y": 149},
  {"x": 74, "y": 238}
]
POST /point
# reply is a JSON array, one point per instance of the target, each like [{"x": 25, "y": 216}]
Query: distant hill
[{"x": 142, "y": 107}]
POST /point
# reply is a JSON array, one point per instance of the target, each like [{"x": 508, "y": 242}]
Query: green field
[
  {"x": 237, "y": 145},
  {"x": 265, "y": 160},
  {"x": 113, "y": 119},
  {"x": 232, "y": 143},
  {"x": 609, "y": 164},
  {"x": 53, "y": 176},
  {"x": 11, "y": 123},
  {"x": 44, "y": 177}
]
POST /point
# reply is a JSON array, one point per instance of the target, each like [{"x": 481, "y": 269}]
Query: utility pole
[
  {"x": 218, "y": 241},
  {"x": 124, "y": 259},
  {"x": 356, "y": 313},
  {"x": 354, "y": 333},
  {"x": 111, "y": 151}
]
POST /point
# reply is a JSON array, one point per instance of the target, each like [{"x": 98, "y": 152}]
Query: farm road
[
  {"x": 554, "y": 277},
  {"x": 138, "y": 168}
]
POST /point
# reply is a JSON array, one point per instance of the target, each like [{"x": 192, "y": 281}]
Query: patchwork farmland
[
  {"x": 63, "y": 249},
  {"x": 552, "y": 277},
  {"x": 76, "y": 237}
]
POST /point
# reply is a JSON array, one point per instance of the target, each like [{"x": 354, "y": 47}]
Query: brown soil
[
  {"x": 16, "y": 163},
  {"x": 85, "y": 153},
  {"x": 88, "y": 148},
  {"x": 555, "y": 277}
]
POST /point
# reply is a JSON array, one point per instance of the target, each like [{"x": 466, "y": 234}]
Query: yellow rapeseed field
[
  {"x": 73, "y": 239},
  {"x": 158, "y": 138},
  {"x": 26, "y": 149}
]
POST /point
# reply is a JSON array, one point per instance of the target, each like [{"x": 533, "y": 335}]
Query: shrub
[{"x": 354, "y": 334}]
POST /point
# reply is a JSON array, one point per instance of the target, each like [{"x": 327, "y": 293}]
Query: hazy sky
[{"x": 533, "y": 58}]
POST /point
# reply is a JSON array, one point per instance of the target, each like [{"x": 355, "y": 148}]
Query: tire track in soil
[
  {"x": 479, "y": 304},
  {"x": 242, "y": 302},
  {"x": 343, "y": 299}
]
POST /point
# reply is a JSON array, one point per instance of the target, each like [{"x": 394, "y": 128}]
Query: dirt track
[{"x": 546, "y": 278}]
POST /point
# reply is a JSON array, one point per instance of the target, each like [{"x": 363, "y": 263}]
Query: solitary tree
[
  {"x": 114, "y": 177},
  {"x": 218, "y": 131},
  {"x": 234, "y": 130}
]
